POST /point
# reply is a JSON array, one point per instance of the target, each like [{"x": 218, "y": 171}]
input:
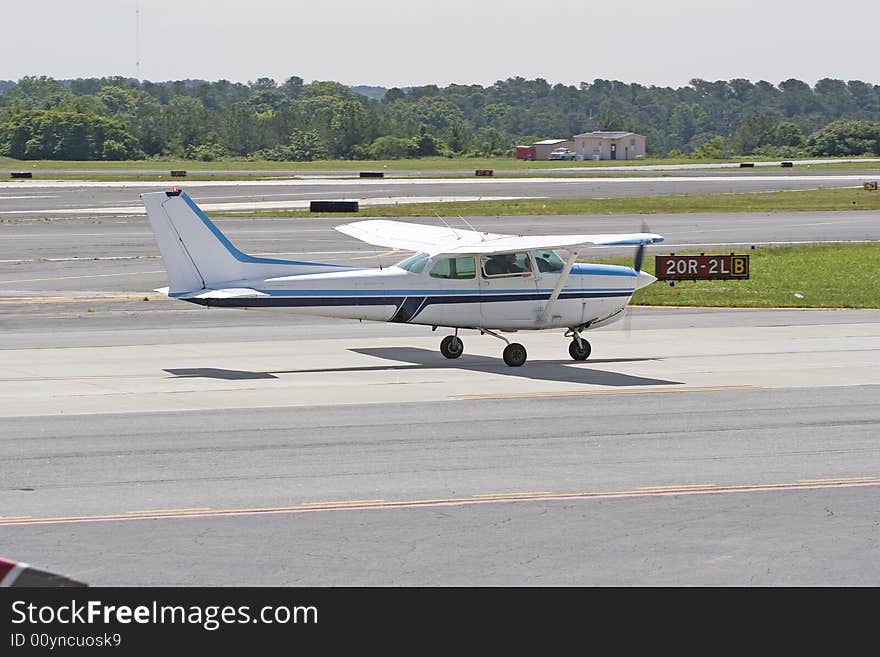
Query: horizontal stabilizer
[{"x": 225, "y": 293}]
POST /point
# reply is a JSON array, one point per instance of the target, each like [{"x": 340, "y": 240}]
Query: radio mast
[{"x": 137, "y": 39}]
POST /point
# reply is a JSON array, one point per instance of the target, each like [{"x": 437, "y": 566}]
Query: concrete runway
[
  {"x": 151, "y": 442},
  {"x": 22, "y": 198},
  {"x": 714, "y": 452},
  {"x": 101, "y": 256}
]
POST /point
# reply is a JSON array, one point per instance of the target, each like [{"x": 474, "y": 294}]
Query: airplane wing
[
  {"x": 435, "y": 240},
  {"x": 409, "y": 237}
]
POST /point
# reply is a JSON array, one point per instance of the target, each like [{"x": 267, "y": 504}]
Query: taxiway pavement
[
  {"x": 151, "y": 442},
  {"x": 22, "y": 198}
]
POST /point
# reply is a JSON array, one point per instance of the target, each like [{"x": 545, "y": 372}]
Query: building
[
  {"x": 525, "y": 153},
  {"x": 601, "y": 145},
  {"x": 543, "y": 148}
]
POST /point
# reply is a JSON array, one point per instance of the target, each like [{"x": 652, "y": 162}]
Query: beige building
[
  {"x": 609, "y": 146},
  {"x": 543, "y": 148}
]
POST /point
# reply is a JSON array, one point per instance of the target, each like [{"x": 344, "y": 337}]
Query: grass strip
[
  {"x": 810, "y": 276},
  {"x": 794, "y": 201}
]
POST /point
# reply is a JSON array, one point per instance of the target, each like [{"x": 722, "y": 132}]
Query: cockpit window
[
  {"x": 549, "y": 260},
  {"x": 506, "y": 264},
  {"x": 464, "y": 267},
  {"x": 414, "y": 264}
]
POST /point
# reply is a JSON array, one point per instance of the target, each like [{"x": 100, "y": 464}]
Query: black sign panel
[{"x": 701, "y": 267}]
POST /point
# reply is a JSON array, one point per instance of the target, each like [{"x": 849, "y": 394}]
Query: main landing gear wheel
[
  {"x": 579, "y": 350},
  {"x": 514, "y": 354},
  {"x": 451, "y": 346}
]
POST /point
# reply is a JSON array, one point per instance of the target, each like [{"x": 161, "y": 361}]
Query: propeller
[
  {"x": 640, "y": 251},
  {"x": 637, "y": 266}
]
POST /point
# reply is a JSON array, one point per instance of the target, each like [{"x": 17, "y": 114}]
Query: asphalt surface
[
  {"x": 148, "y": 442},
  {"x": 751, "y": 489},
  {"x": 98, "y": 255},
  {"x": 22, "y": 198}
]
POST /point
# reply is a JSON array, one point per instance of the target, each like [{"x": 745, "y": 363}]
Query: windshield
[
  {"x": 548, "y": 260},
  {"x": 414, "y": 264}
]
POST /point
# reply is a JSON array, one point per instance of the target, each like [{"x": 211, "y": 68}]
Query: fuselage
[{"x": 460, "y": 292}]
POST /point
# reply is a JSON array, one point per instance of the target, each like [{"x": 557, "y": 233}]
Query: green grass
[
  {"x": 824, "y": 275},
  {"x": 815, "y": 200}
]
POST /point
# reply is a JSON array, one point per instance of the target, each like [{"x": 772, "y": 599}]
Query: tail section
[{"x": 198, "y": 256}]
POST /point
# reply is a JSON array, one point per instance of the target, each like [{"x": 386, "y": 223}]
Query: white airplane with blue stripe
[{"x": 457, "y": 279}]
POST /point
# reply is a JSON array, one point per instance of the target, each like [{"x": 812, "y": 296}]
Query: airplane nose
[{"x": 643, "y": 279}]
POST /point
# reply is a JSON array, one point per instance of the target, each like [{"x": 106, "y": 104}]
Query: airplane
[{"x": 457, "y": 279}]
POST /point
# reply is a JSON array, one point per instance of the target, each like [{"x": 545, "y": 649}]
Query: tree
[
  {"x": 756, "y": 131},
  {"x": 788, "y": 134},
  {"x": 392, "y": 95},
  {"x": 713, "y": 149},
  {"x": 424, "y": 145},
  {"x": 186, "y": 123},
  {"x": 62, "y": 135},
  {"x": 846, "y": 137},
  {"x": 491, "y": 141},
  {"x": 40, "y": 93},
  {"x": 389, "y": 148},
  {"x": 263, "y": 84},
  {"x": 687, "y": 121},
  {"x": 292, "y": 86},
  {"x": 206, "y": 119}
]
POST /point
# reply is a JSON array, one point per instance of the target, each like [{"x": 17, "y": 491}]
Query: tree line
[{"x": 121, "y": 118}]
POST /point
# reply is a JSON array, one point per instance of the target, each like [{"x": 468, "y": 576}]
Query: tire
[
  {"x": 451, "y": 346},
  {"x": 514, "y": 354},
  {"x": 579, "y": 352}
]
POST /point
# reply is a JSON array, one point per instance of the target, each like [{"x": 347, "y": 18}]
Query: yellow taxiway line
[
  {"x": 482, "y": 498},
  {"x": 41, "y": 300}
]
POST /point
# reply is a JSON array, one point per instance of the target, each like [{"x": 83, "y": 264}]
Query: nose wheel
[
  {"x": 579, "y": 349},
  {"x": 451, "y": 346}
]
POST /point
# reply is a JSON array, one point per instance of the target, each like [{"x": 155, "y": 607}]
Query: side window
[
  {"x": 465, "y": 267},
  {"x": 442, "y": 269},
  {"x": 506, "y": 264}
]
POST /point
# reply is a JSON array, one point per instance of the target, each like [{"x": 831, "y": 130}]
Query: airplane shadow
[
  {"x": 214, "y": 373},
  {"x": 565, "y": 371}
]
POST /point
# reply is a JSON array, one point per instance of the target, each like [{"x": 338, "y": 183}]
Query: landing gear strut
[
  {"x": 514, "y": 353},
  {"x": 578, "y": 349}
]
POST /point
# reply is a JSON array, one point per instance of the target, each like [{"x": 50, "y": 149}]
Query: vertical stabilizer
[{"x": 197, "y": 255}]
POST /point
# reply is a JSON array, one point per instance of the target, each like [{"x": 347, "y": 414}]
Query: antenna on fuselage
[
  {"x": 457, "y": 236},
  {"x": 482, "y": 238}
]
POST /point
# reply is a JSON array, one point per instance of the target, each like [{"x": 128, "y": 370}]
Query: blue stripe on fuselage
[
  {"x": 424, "y": 293},
  {"x": 587, "y": 269},
  {"x": 415, "y": 306}
]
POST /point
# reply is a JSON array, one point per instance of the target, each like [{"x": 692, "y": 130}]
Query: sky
[{"x": 412, "y": 42}]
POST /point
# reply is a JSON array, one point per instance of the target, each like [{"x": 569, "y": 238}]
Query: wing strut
[{"x": 563, "y": 279}]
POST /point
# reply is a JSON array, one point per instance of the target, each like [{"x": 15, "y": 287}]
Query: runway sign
[
  {"x": 871, "y": 186},
  {"x": 701, "y": 267}
]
